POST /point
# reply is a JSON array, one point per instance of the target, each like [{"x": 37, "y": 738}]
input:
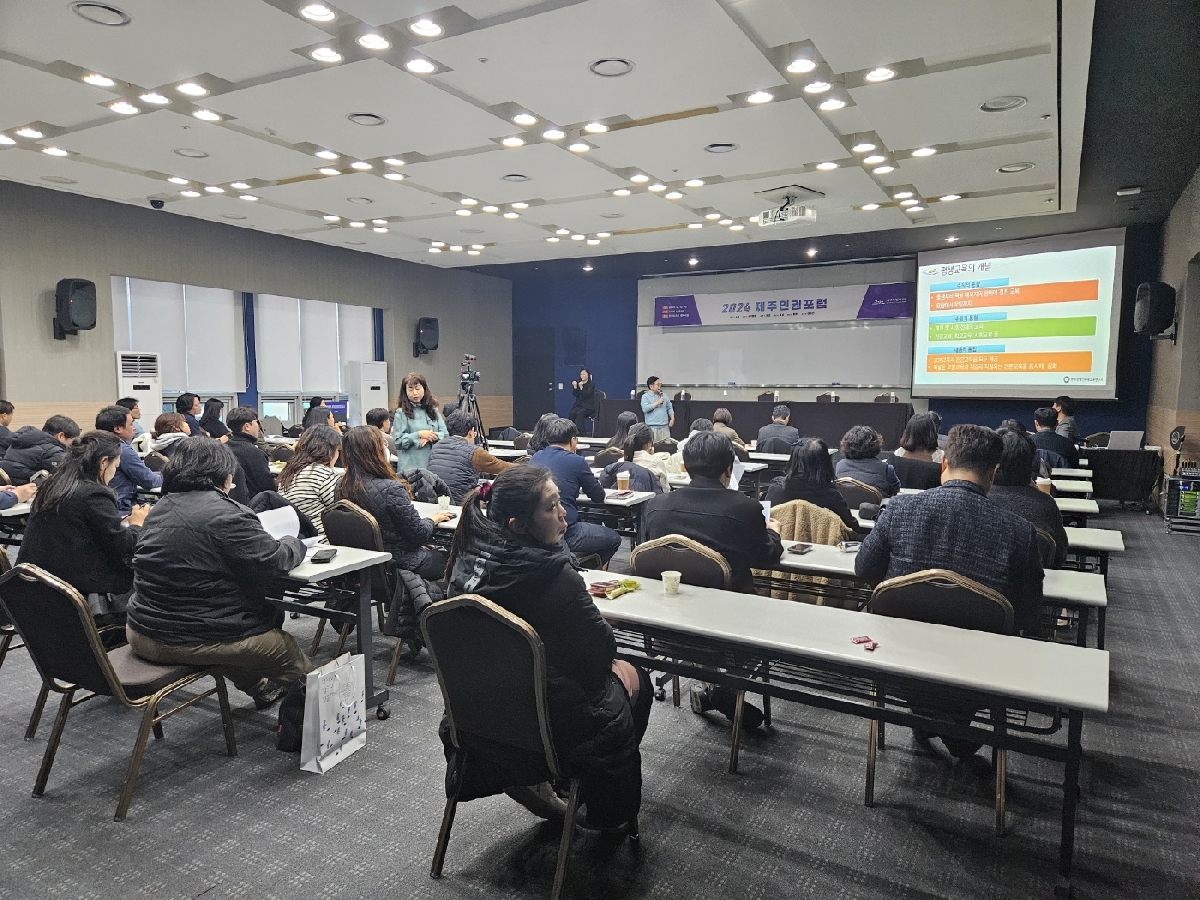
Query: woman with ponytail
[
  {"x": 508, "y": 548},
  {"x": 75, "y": 531}
]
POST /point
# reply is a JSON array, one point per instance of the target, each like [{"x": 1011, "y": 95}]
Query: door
[{"x": 533, "y": 375}]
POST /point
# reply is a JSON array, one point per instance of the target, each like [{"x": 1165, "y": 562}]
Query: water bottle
[
  {"x": 777, "y": 396},
  {"x": 633, "y": 394}
]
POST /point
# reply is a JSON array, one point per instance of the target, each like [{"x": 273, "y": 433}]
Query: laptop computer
[{"x": 1125, "y": 440}]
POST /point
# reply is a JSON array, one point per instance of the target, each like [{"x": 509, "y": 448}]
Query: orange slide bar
[
  {"x": 1068, "y": 361},
  {"x": 1017, "y": 295}
]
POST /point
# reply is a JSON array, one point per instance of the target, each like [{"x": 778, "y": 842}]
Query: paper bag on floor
[{"x": 335, "y": 711}]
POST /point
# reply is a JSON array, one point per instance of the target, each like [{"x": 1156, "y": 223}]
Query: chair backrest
[
  {"x": 491, "y": 667},
  {"x": 679, "y": 395},
  {"x": 855, "y": 493},
  {"x": 773, "y": 445},
  {"x": 155, "y": 461},
  {"x": 294, "y": 431},
  {"x": 271, "y": 425},
  {"x": 943, "y": 597},
  {"x": 885, "y": 398},
  {"x": 666, "y": 445},
  {"x": 521, "y": 441},
  {"x": 57, "y": 628},
  {"x": 4, "y": 479},
  {"x": 828, "y": 397},
  {"x": 606, "y": 456},
  {"x": 347, "y": 524},
  {"x": 281, "y": 453},
  {"x": 600, "y": 395},
  {"x": 1099, "y": 439},
  {"x": 696, "y": 564},
  {"x": 766, "y": 395},
  {"x": 1047, "y": 547}
]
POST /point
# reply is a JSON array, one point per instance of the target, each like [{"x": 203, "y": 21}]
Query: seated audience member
[
  {"x": 779, "y": 429},
  {"x": 696, "y": 427},
  {"x": 809, "y": 477},
  {"x": 11, "y": 495},
  {"x": 1065, "y": 407},
  {"x": 6, "y": 417},
  {"x": 169, "y": 430},
  {"x": 188, "y": 406},
  {"x": 1013, "y": 489},
  {"x": 318, "y": 415},
  {"x": 243, "y": 441},
  {"x": 625, "y": 421},
  {"x": 1046, "y": 437},
  {"x": 200, "y": 574},
  {"x": 134, "y": 406},
  {"x": 458, "y": 461},
  {"x": 211, "y": 420},
  {"x": 920, "y": 440},
  {"x": 725, "y": 521},
  {"x": 382, "y": 419},
  {"x": 573, "y": 475},
  {"x": 448, "y": 407},
  {"x": 75, "y": 530},
  {"x": 537, "y": 438},
  {"x": 372, "y": 483},
  {"x": 723, "y": 424},
  {"x": 937, "y": 425},
  {"x": 308, "y": 480},
  {"x": 915, "y": 473},
  {"x": 32, "y": 449},
  {"x": 508, "y": 548},
  {"x": 860, "y": 460},
  {"x": 647, "y": 469},
  {"x": 132, "y": 473}
]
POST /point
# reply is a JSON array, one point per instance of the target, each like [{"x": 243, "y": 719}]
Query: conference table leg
[
  {"x": 1066, "y": 848},
  {"x": 1081, "y": 626},
  {"x": 366, "y": 639}
]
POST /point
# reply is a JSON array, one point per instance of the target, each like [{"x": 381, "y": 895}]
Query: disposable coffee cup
[
  {"x": 443, "y": 503},
  {"x": 622, "y": 481},
  {"x": 1044, "y": 484},
  {"x": 670, "y": 582}
]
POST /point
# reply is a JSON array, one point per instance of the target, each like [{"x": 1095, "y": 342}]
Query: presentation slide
[{"x": 1029, "y": 319}]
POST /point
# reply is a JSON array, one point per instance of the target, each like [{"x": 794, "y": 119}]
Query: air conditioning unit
[{"x": 139, "y": 375}]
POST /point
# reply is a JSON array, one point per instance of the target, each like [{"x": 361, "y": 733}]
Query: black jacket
[
  {"x": 404, "y": 530},
  {"x": 720, "y": 519},
  {"x": 778, "y": 430},
  {"x": 202, "y": 568},
  {"x": 256, "y": 469},
  {"x": 5, "y": 438},
  {"x": 83, "y": 542},
  {"x": 1056, "y": 443},
  {"x": 640, "y": 478},
  {"x": 915, "y": 473},
  {"x": 1038, "y": 508},
  {"x": 826, "y": 496},
  {"x": 585, "y": 400},
  {"x": 31, "y": 449}
]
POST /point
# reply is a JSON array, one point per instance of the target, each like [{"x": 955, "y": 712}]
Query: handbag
[{"x": 335, "y": 708}]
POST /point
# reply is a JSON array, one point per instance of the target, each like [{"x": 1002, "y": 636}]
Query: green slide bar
[{"x": 1073, "y": 326}]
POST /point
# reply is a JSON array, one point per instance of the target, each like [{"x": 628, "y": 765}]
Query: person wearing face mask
[
  {"x": 417, "y": 425},
  {"x": 508, "y": 548},
  {"x": 201, "y": 572}
]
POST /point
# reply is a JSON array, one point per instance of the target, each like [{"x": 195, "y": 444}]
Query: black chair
[
  {"x": 599, "y": 395},
  {"x": 889, "y": 397},
  {"x": 773, "y": 445},
  {"x": 1047, "y": 548},
  {"x": 667, "y": 445},
  {"x": 607, "y": 456},
  {"x": 293, "y": 431},
  {"x": 680, "y": 396},
  {"x": 856, "y": 493},
  {"x": 1099, "y": 439},
  {"x": 766, "y": 396},
  {"x": 57, "y": 628},
  {"x": 916, "y": 473},
  {"x": 828, "y": 397},
  {"x": 521, "y": 441},
  {"x": 281, "y": 453}
]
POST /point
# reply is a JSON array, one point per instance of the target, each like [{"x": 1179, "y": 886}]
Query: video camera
[{"x": 467, "y": 378}]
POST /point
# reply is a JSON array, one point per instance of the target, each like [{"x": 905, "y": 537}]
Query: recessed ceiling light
[
  {"x": 592, "y": 242},
  {"x": 595, "y": 128},
  {"x": 525, "y": 119},
  {"x": 437, "y": 244},
  {"x": 373, "y": 41},
  {"x": 362, "y": 200},
  {"x": 213, "y": 189},
  {"x": 902, "y": 195},
  {"x": 98, "y": 80},
  {"x": 189, "y": 193},
  {"x": 874, "y": 159},
  {"x": 393, "y": 176},
  {"x": 552, "y": 240},
  {"x": 154, "y": 97},
  {"x": 326, "y": 154},
  {"x": 578, "y": 237},
  {"x": 512, "y": 215},
  {"x": 420, "y": 66},
  {"x": 379, "y": 229},
  {"x": 358, "y": 224},
  {"x": 913, "y": 209},
  {"x": 736, "y": 227},
  {"x": 6, "y": 141},
  {"x": 639, "y": 178},
  {"x": 883, "y": 170},
  {"x": 603, "y": 234},
  {"x": 1131, "y": 191},
  {"x": 393, "y": 161},
  {"x": 883, "y": 73},
  {"x": 869, "y": 207},
  {"x": 725, "y": 222},
  {"x": 951, "y": 239},
  {"x": 554, "y": 134},
  {"x": 657, "y": 186},
  {"x": 513, "y": 142},
  {"x": 908, "y": 202},
  {"x": 360, "y": 165},
  {"x": 864, "y": 147},
  {"x": 801, "y": 65},
  {"x": 468, "y": 201},
  {"x": 1003, "y": 104},
  {"x": 249, "y": 197},
  {"x": 379, "y": 221},
  {"x": 32, "y": 133},
  {"x": 477, "y": 246},
  {"x": 175, "y": 179},
  {"x": 1007, "y": 169},
  {"x": 318, "y": 13},
  {"x": 810, "y": 252},
  {"x": 817, "y": 87},
  {"x": 367, "y": 119},
  {"x": 831, "y": 103},
  {"x": 622, "y": 192},
  {"x": 472, "y": 252},
  {"x": 694, "y": 225},
  {"x": 456, "y": 248},
  {"x": 694, "y": 183},
  {"x": 328, "y": 171},
  {"x": 712, "y": 216},
  {"x": 611, "y": 67},
  {"x": 189, "y": 153},
  {"x": 462, "y": 212},
  {"x": 490, "y": 209},
  {"x": 754, "y": 218},
  {"x": 435, "y": 249},
  {"x": 760, "y": 97},
  {"x": 206, "y": 115},
  {"x": 333, "y": 218},
  {"x": 924, "y": 151},
  {"x": 425, "y": 28},
  {"x": 579, "y": 147},
  {"x": 239, "y": 185},
  {"x": 54, "y": 151},
  {"x": 720, "y": 147},
  {"x": 191, "y": 89},
  {"x": 827, "y": 166},
  {"x": 563, "y": 231},
  {"x": 673, "y": 195},
  {"x": 520, "y": 205},
  {"x": 59, "y": 179},
  {"x": 101, "y": 14},
  {"x": 326, "y": 55},
  {"x": 948, "y": 197}
]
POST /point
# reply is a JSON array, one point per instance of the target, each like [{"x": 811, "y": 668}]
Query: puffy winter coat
[
  {"x": 403, "y": 529},
  {"x": 29, "y": 450}
]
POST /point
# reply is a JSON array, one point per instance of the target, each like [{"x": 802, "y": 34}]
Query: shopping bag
[{"x": 335, "y": 710}]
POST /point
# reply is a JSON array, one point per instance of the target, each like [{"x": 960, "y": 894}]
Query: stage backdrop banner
[{"x": 828, "y": 304}]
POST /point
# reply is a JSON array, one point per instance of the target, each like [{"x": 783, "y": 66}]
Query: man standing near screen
[{"x": 657, "y": 409}]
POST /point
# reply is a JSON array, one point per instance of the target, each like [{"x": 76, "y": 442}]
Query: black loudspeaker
[
  {"x": 1155, "y": 310},
  {"x": 427, "y": 336},
  {"x": 74, "y": 307},
  {"x": 1177, "y": 437}
]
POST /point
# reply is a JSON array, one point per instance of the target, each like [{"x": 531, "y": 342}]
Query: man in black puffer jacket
[{"x": 32, "y": 449}]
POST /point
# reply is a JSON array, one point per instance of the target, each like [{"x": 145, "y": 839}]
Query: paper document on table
[
  {"x": 738, "y": 470},
  {"x": 280, "y": 522}
]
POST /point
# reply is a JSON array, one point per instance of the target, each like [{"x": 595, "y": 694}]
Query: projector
[{"x": 786, "y": 206}]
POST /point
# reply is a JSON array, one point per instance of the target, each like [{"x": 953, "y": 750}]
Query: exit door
[{"x": 533, "y": 375}]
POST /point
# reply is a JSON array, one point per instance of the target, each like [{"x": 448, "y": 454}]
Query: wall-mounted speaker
[
  {"x": 427, "y": 336},
  {"x": 74, "y": 307},
  {"x": 1155, "y": 310}
]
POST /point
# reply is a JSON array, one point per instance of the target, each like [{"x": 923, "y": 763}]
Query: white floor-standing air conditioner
[{"x": 138, "y": 375}]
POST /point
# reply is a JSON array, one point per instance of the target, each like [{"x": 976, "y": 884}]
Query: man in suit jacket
[
  {"x": 779, "y": 427},
  {"x": 1046, "y": 437}
]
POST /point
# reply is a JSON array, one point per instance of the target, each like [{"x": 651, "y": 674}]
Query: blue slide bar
[
  {"x": 967, "y": 285},
  {"x": 971, "y": 317},
  {"x": 976, "y": 348}
]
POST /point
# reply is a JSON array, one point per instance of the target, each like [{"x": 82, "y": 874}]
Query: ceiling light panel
[
  {"x": 574, "y": 95},
  {"x": 974, "y": 171},
  {"x": 390, "y": 199},
  {"x": 311, "y": 106},
  {"x": 72, "y": 102}
]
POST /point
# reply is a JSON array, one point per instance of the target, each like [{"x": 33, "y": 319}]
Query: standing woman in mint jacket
[{"x": 417, "y": 425}]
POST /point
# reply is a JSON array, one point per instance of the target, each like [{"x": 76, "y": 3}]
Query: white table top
[
  {"x": 770, "y": 457},
  {"x": 635, "y": 499},
  {"x": 428, "y": 509},
  {"x": 279, "y": 439},
  {"x": 1077, "y": 505},
  {"x": 508, "y": 453},
  {"x": 348, "y": 559},
  {"x": 492, "y": 442},
  {"x": 1070, "y": 473},
  {"x": 20, "y": 509},
  {"x": 1071, "y": 486},
  {"x": 1083, "y": 461},
  {"x": 1012, "y": 667},
  {"x": 1107, "y": 540}
]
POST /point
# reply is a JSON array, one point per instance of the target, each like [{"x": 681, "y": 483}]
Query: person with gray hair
[{"x": 779, "y": 429}]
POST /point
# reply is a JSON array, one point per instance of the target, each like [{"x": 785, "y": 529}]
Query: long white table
[
  {"x": 1077, "y": 508},
  {"x": 805, "y": 653},
  {"x": 1071, "y": 473},
  {"x": 507, "y": 453},
  {"x": 1072, "y": 486}
]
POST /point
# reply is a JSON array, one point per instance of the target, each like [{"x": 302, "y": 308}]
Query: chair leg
[
  {"x": 341, "y": 644},
  {"x": 226, "y": 715},
  {"x": 564, "y": 845},
  {"x": 312, "y": 651},
  {"x": 158, "y": 731},
  {"x": 36, "y": 716},
  {"x": 439, "y": 852},
  {"x": 135, "y": 761},
  {"x": 60, "y": 721},
  {"x": 874, "y": 744},
  {"x": 391, "y": 675},
  {"x": 675, "y": 689},
  {"x": 767, "y": 710},
  {"x": 1000, "y": 762},
  {"x": 5, "y": 641},
  {"x": 739, "y": 705}
]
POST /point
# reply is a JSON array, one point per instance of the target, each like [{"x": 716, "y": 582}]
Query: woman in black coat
[
  {"x": 75, "y": 532},
  {"x": 585, "y": 401},
  {"x": 511, "y": 552},
  {"x": 809, "y": 476}
]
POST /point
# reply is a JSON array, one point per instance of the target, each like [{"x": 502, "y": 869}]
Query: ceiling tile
[
  {"x": 613, "y": 214},
  {"x": 384, "y": 12},
  {"x": 147, "y": 142},
  {"x": 529, "y": 61},
  {"x": 772, "y": 21},
  {"x": 1001, "y": 206},
  {"x": 314, "y": 106},
  {"x": 43, "y": 97},
  {"x": 365, "y": 240},
  {"x": 31, "y": 167},
  {"x": 975, "y": 170},
  {"x": 245, "y": 213},
  {"x": 332, "y": 196},
  {"x": 481, "y": 228},
  {"x": 843, "y": 189}
]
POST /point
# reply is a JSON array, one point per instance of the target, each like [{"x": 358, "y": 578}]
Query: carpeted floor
[{"x": 791, "y": 824}]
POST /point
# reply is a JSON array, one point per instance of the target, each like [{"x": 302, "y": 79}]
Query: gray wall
[{"x": 46, "y": 235}]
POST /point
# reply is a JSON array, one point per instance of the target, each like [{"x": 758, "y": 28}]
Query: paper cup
[
  {"x": 443, "y": 503},
  {"x": 670, "y": 582},
  {"x": 622, "y": 481},
  {"x": 1044, "y": 484}
]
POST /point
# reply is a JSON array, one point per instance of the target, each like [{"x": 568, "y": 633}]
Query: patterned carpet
[{"x": 791, "y": 824}]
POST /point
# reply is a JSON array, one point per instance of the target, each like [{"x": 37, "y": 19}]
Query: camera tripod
[{"x": 467, "y": 403}]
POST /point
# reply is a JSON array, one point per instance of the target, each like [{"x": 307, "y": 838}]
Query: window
[{"x": 302, "y": 346}]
